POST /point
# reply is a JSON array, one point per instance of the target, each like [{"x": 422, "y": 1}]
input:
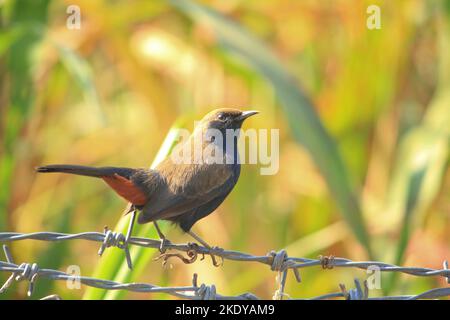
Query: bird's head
[{"x": 225, "y": 118}]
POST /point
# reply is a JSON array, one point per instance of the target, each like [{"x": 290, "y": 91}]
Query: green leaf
[
  {"x": 113, "y": 264},
  {"x": 422, "y": 159},
  {"x": 82, "y": 73},
  {"x": 18, "y": 47},
  {"x": 305, "y": 124}
]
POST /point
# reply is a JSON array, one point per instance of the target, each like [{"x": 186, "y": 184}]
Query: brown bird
[{"x": 179, "y": 192}]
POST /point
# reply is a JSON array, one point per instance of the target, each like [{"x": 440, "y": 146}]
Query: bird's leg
[
  {"x": 206, "y": 245},
  {"x": 131, "y": 210},
  {"x": 164, "y": 241}
]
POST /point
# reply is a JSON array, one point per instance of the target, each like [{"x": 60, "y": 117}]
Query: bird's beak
[{"x": 246, "y": 114}]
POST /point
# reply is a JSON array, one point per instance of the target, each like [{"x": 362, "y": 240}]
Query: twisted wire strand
[
  {"x": 180, "y": 291},
  {"x": 278, "y": 261},
  {"x": 197, "y": 292},
  {"x": 287, "y": 263}
]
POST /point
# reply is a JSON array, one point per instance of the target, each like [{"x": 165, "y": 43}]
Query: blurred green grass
[{"x": 362, "y": 115}]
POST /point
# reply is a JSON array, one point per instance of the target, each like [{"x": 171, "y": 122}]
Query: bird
[{"x": 182, "y": 192}]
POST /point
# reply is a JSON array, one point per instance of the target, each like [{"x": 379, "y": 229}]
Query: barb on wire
[
  {"x": 115, "y": 239},
  {"x": 356, "y": 294},
  {"x": 279, "y": 262},
  {"x": 25, "y": 271}
]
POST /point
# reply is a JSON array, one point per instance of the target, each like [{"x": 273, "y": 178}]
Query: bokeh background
[{"x": 364, "y": 133}]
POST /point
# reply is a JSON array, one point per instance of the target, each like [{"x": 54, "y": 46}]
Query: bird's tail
[{"x": 98, "y": 172}]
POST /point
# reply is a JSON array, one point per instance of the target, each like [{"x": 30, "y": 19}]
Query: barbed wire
[{"x": 278, "y": 261}]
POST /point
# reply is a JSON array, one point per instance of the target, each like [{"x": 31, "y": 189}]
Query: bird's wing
[
  {"x": 187, "y": 219},
  {"x": 187, "y": 187}
]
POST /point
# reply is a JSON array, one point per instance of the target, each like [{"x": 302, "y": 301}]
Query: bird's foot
[
  {"x": 191, "y": 255},
  {"x": 212, "y": 252},
  {"x": 193, "y": 247}
]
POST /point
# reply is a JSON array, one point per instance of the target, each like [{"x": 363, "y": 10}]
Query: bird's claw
[
  {"x": 211, "y": 253},
  {"x": 193, "y": 247},
  {"x": 191, "y": 253}
]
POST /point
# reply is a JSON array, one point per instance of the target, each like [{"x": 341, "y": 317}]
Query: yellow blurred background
[{"x": 364, "y": 133}]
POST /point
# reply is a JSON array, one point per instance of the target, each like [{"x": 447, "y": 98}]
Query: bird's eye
[{"x": 221, "y": 116}]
